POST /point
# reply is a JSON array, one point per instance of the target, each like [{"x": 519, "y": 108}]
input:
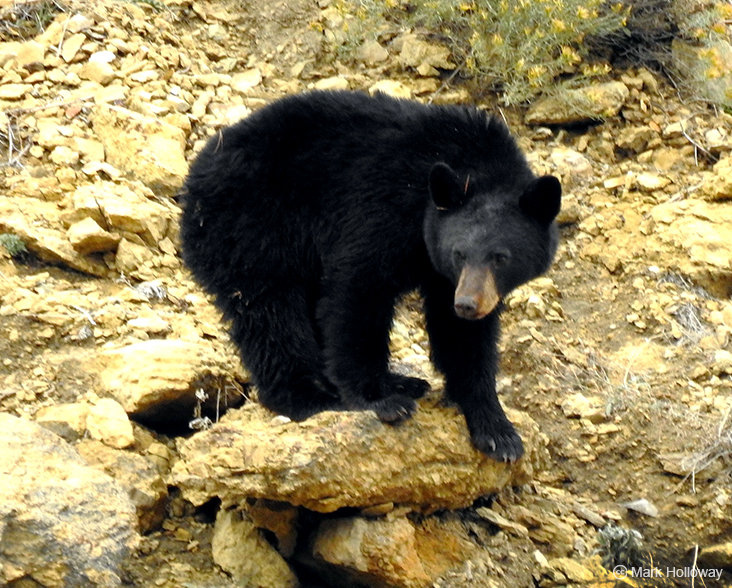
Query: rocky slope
[{"x": 617, "y": 364}]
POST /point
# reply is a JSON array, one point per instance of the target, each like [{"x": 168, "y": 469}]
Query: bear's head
[{"x": 488, "y": 236}]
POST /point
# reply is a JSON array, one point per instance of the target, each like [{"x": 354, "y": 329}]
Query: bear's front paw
[
  {"x": 505, "y": 445},
  {"x": 394, "y": 409},
  {"x": 404, "y": 386}
]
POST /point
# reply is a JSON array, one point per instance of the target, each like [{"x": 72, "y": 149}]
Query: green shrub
[
  {"x": 517, "y": 46},
  {"x": 13, "y": 244}
]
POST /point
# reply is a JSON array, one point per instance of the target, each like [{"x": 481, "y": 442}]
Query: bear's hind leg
[{"x": 278, "y": 345}]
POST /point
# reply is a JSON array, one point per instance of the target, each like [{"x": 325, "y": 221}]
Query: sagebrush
[{"x": 517, "y": 46}]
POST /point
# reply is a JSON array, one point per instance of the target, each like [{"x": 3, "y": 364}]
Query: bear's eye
[
  {"x": 500, "y": 258},
  {"x": 459, "y": 257}
]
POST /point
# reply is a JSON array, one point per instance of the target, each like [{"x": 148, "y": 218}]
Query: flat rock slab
[
  {"x": 348, "y": 459},
  {"x": 156, "y": 381},
  {"x": 62, "y": 522}
]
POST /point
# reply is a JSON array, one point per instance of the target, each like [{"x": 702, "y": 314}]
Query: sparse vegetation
[
  {"x": 13, "y": 244},
  {"x": 620, "y": 547},
  {"x": 24, "y": 20},
  {"x": 520, "y": 47},
  {"x": 527, "y": 47}
]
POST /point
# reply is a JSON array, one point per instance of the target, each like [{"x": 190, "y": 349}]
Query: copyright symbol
[{"x": 620, "y": 572}]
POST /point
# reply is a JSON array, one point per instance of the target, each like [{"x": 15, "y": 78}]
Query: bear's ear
[
  {"x": 543, "y": 199},
  {"x": 445, "y": 188}
]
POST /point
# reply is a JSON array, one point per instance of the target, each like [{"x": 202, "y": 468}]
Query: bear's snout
[{"x": 476, "y": 294}]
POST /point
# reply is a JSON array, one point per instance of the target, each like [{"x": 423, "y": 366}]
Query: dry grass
[{"x": 24, "y": 20}]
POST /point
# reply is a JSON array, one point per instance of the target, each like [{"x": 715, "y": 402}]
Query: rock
[
  {"x": 371, "y": 52},
  {"x": 87, "y": 236},
  {"x": 717, "y": 556},
  {"x": 119, "y": 208},
  {"x": 64, "y": 156},
  {"x": 574, "y": 168},
  {"x": 392, "y": 88},
  {"x": 334, "y": 83},
  {"x": 722, "y": 363},
  {"x": 152, "y": 324},
  {"x": 99, "y": 72},
  {"x": 240, "y": 549},
  {"x": 648, "y": 182},
  {"x": 280, "y": 519},
  {"x": 371, "y": 552},
  {"x": 131, "y": 257},
  {"x": 719, "y": 185},
  {"x": 582, "y": 105},
  {"x": 502, "y": 522},
  {"x": 544, "y": 527},
  {"x": 642, "y": 506},
  {"x": 575, "y": 571},
  {"x": 108, "y": 422},
  {"x": 338, "y": 459},
  {"x": 246, "y": 80},
  {"x": 30, "y": 55},
  {"x": 66, "y": 420},
  {"x": 71, "y": 46},
  {"x": 28, "y": 219},
  {"x": 62, "y": 523},
  {"x": 156, "y": 380},
  {"x": 415, "y": 53},
  {"x": 700, "y": 237},
  {"x": 14, "y": 91},
  {"x": 635, "y": 139},
  {"x": 143, "y": 148},
  {"x": 392, "y": 551},
  {"x": 579, "y": 406},
  {"x": 137, "y": 475}
]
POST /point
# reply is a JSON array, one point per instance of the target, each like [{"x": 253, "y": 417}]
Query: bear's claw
[
  {"x": 506, "y": 447},
  {"x": 394, "y": 409}
]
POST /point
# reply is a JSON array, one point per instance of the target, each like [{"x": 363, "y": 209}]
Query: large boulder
[
  {"x": 63, "y": 523},
  {"x": 348, "y": 459}
]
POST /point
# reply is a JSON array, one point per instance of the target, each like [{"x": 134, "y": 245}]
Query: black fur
[{"x": 309, "y": 218}]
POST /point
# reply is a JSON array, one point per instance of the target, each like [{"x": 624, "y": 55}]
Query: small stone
[
  {"x": 642, "y": 506},
  {"x": 143, "y": 77},
  {"x": 581, "y": 105},
  {"x": 102, "y": 57},
  {"x": 63, "y": 155},
  {"x": 131, "y": 256},
  {"x": 574, "y": 571},
  {"x": 14, "y": 91},
  {"x": 150, "y": 324},
  {"x": 30, "y": 54},
  {"x": 108, "y": 422},
  {"x": 722, "y": 361},
  {"x": 246, "y": 80},
  {"x": 391, "y": 88},
  {"x": 87, "y": 236},
  {"x": 718, "y": 556},
  {"x": 371, "y": 52},
  {"x": 647, "y": 182},
  {"x": 66, "y": 420},
  {"x": 334, "y": 83},
  {"x": 100, "y": 72},
  {"x": 71, "y": 46},
  {"x": 78, "y": 23}
]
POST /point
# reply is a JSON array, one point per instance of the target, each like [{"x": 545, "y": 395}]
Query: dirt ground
[{"x": 637, "y": 337}]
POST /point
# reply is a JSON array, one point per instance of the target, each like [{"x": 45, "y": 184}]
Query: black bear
[{"x": 308, "y": 219}]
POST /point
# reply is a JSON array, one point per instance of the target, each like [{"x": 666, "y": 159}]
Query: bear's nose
[{"x": 466, "y": 307}]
